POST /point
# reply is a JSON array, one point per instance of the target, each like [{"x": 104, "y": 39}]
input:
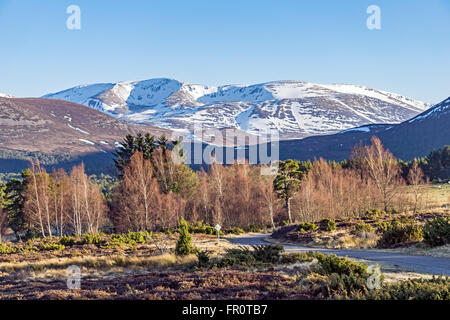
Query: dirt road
[{"x": 423, "y": 264}]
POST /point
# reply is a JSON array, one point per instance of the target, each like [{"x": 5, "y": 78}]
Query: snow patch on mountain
[
  {"x": 293, "y": 108},
  {"x": 87, "y": 142},
  {"x": 5, "y": 95},
  {"x": 361, "y": 129},
  {"x": 77, "y": 129},
  {"x": 80, "y": 94},
  {"x": 436, "y": 111}
]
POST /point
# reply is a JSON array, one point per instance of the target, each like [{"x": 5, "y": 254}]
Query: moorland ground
[{"x": 146, "y": 266}]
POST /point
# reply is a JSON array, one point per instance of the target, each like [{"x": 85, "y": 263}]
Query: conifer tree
[
  {"x": 184, "y": 245},
  {"x": 14, "y": 203},
  {"x": 287, "y": 182}
]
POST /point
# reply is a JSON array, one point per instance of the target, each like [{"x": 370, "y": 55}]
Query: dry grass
[
  {"x": 103, "y": 262},
  {"x": 342, "y": 239},
  {"x": 210, "y": 244},
  {"x": 163, "y": 261},
  {"x": 439, "y": 252},
  {"x": 361, "y": 241},
  {"x": 432, "y": 197},
  {"x": 106, "y": 263},
  {"x": 142, "y": 275},
  {"x": 433, "y": 200}
]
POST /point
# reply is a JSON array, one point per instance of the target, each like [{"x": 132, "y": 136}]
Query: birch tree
[
  {"x": 135, "y": 196},
  {"x": 382, "y": 167},
  {"x": 36, "y": 206}
]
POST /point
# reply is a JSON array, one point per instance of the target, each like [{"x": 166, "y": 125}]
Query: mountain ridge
[
  {"x": 410, "y": 139},
  {"x": 292, "y": 108},
  {"x": 58, "y": 129},
  {"x": 83, "y": 134}
]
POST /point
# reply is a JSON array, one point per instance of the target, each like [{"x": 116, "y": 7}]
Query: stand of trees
[
  {"x": 139, "y": 202},
  {"x": 154, "y": 195},
  {"x": 45, "y": 204},
  {"x": 153, "y": 192},
  {"x": 435, "y": 166}
]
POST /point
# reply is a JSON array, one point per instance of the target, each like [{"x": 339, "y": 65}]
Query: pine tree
[
  {"x": 14, "y": 202},
  {"x": 287, "y": 182},
  {"x": 437, "y": 163},
  {"x": 150, "y": 145},
  {"x": 146, "y": 144},
  {"x": 3, "y": 223},
  {"x": 184, "y": 245}
]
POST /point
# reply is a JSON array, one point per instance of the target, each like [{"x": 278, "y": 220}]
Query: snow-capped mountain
[
  {"x": 293, "y": 108},
  {"x": 410, "y": 139},
  {"x": 436, "y": 112},
  {"x": 5, "y": 95}
]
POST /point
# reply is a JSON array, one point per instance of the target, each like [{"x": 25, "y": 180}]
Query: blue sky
[{"x": 222, "y": 42}]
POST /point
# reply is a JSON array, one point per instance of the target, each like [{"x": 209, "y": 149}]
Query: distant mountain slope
[
  {"x": 293, "y": 108},
  {"x": 60, "y": 129},
  {"x": 65, "y": 133},
  {"x": 413, "y": 138},
  {"x": 5, "y": 95}
]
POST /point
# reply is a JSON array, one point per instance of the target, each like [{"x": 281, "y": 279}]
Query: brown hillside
[{"x": 54, "y": 126}]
